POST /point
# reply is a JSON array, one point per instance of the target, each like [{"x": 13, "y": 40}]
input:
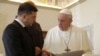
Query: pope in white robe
[{"x": 66, "y": 36}]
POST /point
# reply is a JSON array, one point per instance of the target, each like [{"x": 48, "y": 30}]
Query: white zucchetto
[{"x": 66, "y": 11}]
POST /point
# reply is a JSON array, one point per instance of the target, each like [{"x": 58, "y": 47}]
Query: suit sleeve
[{"x": 12, "y": 42}]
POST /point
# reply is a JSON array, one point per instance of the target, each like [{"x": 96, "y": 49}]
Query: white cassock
[{"x": 56, "y": 40}]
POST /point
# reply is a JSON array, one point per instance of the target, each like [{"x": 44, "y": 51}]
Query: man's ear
[{"x": 24, "y": 16}]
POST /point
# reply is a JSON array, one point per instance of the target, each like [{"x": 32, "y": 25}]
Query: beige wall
[{"x": 47, "y": 18}]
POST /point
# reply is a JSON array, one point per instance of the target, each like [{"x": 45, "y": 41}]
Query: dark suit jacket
[
  {"x": 36, "y": 33},
  {"x": 17, "y": 42}
]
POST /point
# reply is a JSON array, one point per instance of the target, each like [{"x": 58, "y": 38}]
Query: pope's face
[{"x": 64, "y": 21}]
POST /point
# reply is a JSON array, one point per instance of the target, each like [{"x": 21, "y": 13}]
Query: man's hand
[
  {"x": 45, "y": 53},
  {"x": 37, "y": 51}
]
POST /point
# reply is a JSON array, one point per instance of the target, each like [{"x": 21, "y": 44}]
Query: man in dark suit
[
  {"x": 37, "y": 36},
  {"x": 16, "y": 39}
]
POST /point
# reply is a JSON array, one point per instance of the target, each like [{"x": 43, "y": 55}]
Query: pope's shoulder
[
  {"x": 54, "y": 29},
  {"x": 76, "y": 28}
]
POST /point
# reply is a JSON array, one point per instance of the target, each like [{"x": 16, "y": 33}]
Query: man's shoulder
[{"x": 11, "y": 27}]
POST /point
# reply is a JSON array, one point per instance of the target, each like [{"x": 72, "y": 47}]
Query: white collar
[{"x": 21, "y": 23}]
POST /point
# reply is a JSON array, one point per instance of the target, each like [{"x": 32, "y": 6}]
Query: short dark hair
[{"x": 27, "y": 7}]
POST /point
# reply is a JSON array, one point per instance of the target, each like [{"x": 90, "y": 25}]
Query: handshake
[{"x": 38, "y": 51}]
